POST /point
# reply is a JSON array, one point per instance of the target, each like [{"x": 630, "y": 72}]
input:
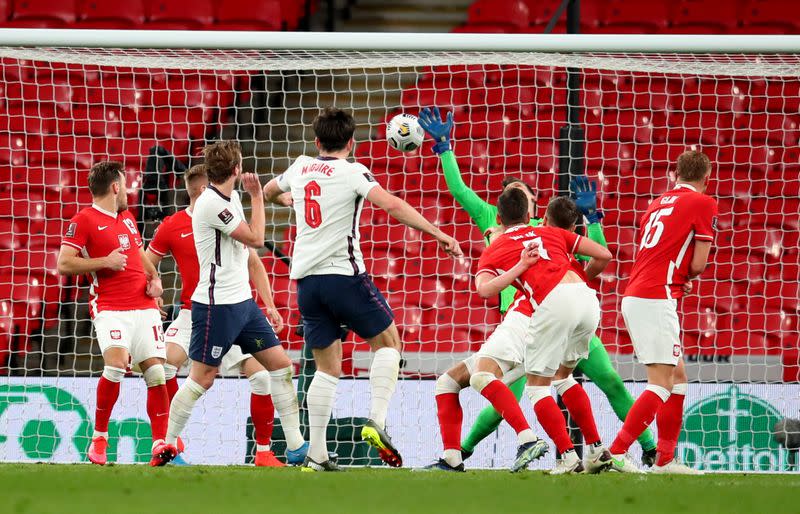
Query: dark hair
[
  {"x": 103, "y": 174},
  {"x": 508, "y": 180},
  {"x": 334, "y": 128},
  {"x": 221, "y": 159},
  {"x": 562, "y": 213},
  {"x": 512, "y": 207},
  {"x": 692, "y": 166},
  {"x": 196, "y": 171}
]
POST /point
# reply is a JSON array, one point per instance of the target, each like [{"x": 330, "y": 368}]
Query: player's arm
[
  {"x": 153, "y": 257},
  {"x": 489, "y": 283},
  {"x": 598, "y": 254},
  {"x": 252, "y": 234},
  {"x": 482, "y": 213},
  {"x": 274, "y": 194},
  {"x": 584, "y": 192},
  {"x": 154, "y": 287},
  {"x": 704, "y": 226},
  {"x": 70, "y": 263},
  {"x": 400, "y": 210},
  {"x": 258, "y": 275},
  {"x": 700, "y": 258}
]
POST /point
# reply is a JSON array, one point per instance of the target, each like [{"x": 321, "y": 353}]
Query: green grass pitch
[{"x": 62, "y": 489}]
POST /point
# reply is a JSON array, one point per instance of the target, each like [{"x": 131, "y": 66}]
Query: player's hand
[
  {"x": 584, "y": 192},
  {"x": 116, "y": 260},
  {"x": 529, "y": 256},
  {"x": 285, "y": 199},
  {"x": 154, "y": 288},
  {"x": 432, "y": 123},
  {"x": 251, "y": 184},
  {"x": 450, "y": 246},
  {"x": 160, "y": 305},
  {"x": 687, "y": 288},
  {"x": 275, "y": 319}
]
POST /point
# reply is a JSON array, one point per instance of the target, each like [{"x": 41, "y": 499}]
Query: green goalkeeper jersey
[{"x": 484, "y": 215}]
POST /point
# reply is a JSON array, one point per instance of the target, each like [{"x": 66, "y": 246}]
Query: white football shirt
[
  {"x": 328, "y": 195},
  {"x": 224, "y": 277}
]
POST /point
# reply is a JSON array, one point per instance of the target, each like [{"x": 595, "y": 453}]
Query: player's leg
[
  {"x": 450, "y": 416},
  {"x": 485, "y": 380},
  {"x": 653, "y": 327},
  {"x": 114, "y": 334},
  {"x": 505, "y": 344},
  {"x": 262, "y": 410},
  {"x": 670, "y": 420},
  {"x": 598, "y": 368},
  {"x": 488, "y": 420},
  {"x": 177, "y": 338},
  {"x": 356, "y": 302}
]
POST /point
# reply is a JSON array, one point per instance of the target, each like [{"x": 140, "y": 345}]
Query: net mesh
[{"x": 65, "y": 108}]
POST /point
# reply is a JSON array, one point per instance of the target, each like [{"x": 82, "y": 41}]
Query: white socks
[
  {"x": 259, "y": 382},
  {"x": 181, "y": 408},
  {"x": 170, "y": 371},
  {"x": 452, "y": 457},
  {"x": 662, "y": 392},
  {"x": 320, "y": 398},
  {"x": 284, "y": 397},
  {"x": 382, "y": 382}
]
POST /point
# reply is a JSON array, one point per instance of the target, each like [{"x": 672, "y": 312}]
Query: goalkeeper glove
[
  {"x": 432, "y": 123},
  {"x": 584, "y": 192}
]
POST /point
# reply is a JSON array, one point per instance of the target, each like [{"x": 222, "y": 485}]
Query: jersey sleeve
[
  {"x": 361, "y": 180},
  {"x": 705, "y": 222},
  {"x": 482, "y": 213},
  {"x": 220, "y": 215},
  {"x": 284, "y": 180},
  {"x": 159, "y": 245},
  {"x": 77, "y": 233}
]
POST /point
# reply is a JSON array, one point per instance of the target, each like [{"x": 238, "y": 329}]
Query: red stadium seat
[
  {"x": 758, "y": 16},
  {"x": 698, "y": 128},
  {"x": 178, "y": 15},
  {"x": 620, "y": 16},
  {"x": 106, "y": 15},
  {"x": 247, "y": 15},
  {"x": 393, "y": 237},
  {"x": 703, "y": 17},
  {"x": 383, "y": 265},
  {"x": 27, "y": 118},
  {"x": 42, "y": 13},
  {"x": 767, "y": 129},
  {"x": 511, "y": 13},
  {"x": 98, "y": 121},
  {"x": 13, "y": 150}
]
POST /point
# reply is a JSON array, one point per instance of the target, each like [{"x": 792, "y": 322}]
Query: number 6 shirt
[
  {"x": 327, "y": 195},
  {"x": 669, "y": 228}
]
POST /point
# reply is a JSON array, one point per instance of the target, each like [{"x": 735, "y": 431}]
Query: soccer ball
[{"x": 404, "y": 133}]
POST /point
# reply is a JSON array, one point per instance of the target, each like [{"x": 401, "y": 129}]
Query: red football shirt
[
  {"x": 668, "y": 228},
  {"x": 96, "y": 233},
  {"x": 174, "y": 236},
  {"x": 556, "y": 247}
]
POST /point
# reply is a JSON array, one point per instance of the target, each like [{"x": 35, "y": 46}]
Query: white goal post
[{"x": 153, "y": 98}]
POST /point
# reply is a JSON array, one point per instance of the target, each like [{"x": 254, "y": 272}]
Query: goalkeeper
[{"x": 597, "y": 366}]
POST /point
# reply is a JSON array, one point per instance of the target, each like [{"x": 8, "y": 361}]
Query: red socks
[
  {"x": 262, "y": 412},
  {"x": 642, "y": 413},
  {"x": 172, "y": 388},
  {"x": 504, "y": 402},
  {"x": 107, "y": 394},
  {"x": 158, "y": 410},
  {"x": 580, "y": 408},
  {"x": 448, "y": 409},
  {"x": 552, "y": 420},
  {"x": 669, "y": 420}
]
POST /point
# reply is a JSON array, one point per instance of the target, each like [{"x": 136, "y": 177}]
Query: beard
[{"x": 122, "y": 204}]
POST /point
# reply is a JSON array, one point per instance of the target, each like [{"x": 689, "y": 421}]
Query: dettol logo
[
  {"x": 731, "y": 431},
  {"x": 47, "y": 423}
]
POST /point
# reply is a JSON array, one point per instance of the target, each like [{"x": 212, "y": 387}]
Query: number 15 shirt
[
  {"x": 669, "y": 228},
  {"x": 328, "y": 195}
]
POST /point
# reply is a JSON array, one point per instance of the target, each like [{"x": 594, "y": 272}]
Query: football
[{"x": 404, "y": 133}]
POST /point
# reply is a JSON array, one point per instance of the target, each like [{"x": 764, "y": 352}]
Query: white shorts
[
  {"x": 561, "y": 328},
  {"x": 654, "y": 329},
  {"x": 180, "y": 332},
  {"x": 140, "y": 332},
  {"x": 506, "y": 346}
]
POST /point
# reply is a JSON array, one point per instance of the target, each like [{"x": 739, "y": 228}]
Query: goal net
[{"x": 64, "y": 108}]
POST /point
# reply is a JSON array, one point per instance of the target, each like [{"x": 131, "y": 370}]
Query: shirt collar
[
  {"x": 188, "y": 212},
  {"x": 107, "y": 213},
  {"x": 226, "y": 198},
  {"x": 517, "y": 227},
  {"x": 687, "y": 186},
  {"x": 327, "y": 158}
]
